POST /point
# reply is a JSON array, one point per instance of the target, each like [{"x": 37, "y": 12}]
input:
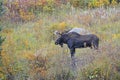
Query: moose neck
[{"x": 65, "y": 38}]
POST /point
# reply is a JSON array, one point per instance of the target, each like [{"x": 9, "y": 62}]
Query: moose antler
[{"x": 57, "y": 33}]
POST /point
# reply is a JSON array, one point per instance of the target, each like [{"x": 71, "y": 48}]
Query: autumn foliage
[
  {"x": 27, "y": 10},
  {"x": 28, "y": 51}
]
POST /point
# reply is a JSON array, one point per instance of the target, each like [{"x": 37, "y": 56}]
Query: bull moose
[{"x": 75, "y": 40}]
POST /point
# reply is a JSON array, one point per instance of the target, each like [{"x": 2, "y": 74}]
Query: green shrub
[
  {"x": 1, "y": 40},
  {"x": 2, "y": 10},
  {"x": 1, "y": 64},
  {"x": 79, "y": 3}
]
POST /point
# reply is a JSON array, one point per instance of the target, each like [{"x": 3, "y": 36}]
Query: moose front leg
[
  {"x": 73, "y": 58},
  {"x": 72, "y": 52}
]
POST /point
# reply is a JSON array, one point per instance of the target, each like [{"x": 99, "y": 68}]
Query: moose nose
[{"x": 56, "y": 43}]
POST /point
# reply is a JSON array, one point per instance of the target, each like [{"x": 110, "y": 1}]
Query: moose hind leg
[{"x": 95, "y": 44}]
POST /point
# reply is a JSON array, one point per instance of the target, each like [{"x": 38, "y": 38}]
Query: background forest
[{"x": 27, "y": 48}]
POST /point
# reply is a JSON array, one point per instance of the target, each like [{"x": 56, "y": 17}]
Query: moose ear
[{"x": 57, "y": 33}]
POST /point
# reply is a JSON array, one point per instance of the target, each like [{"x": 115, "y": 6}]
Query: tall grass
[{"x": 29, "y": 51}]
